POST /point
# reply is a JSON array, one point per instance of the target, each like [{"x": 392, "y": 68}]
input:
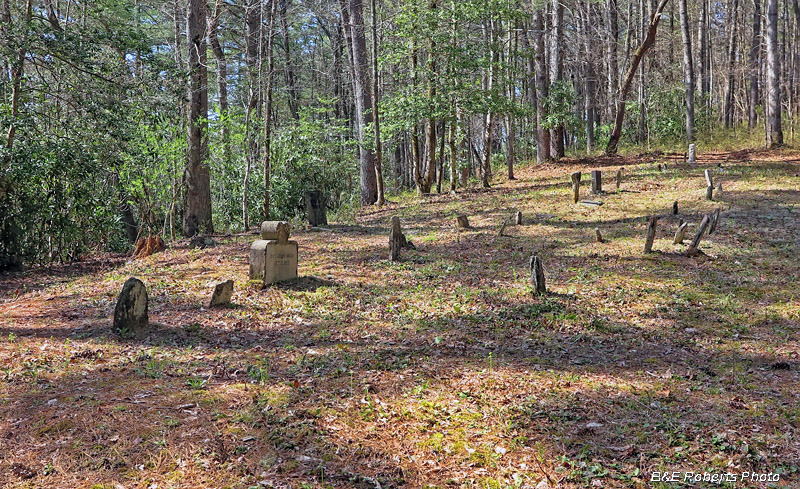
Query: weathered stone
[
  {"x": 462, "y": 222},
  {"x": 681, "y": 233},
  {"x": 652, "y": 222},
  {"x": 537, "y": 276},
  {"x": 396, "y": 239},
  {"x": 597, "y": 181},
  {"x": 694, "y": 246},
  {"x": 709, "y": 180},
  {"x": 710, "y": 193},
  {"x": 271, "y": 261},
  {"x": 714, "y": 221},
  {"x": 130, "y": 313},
  {"x": 277, "y": 230},
  {"x": 518, "y": 218},
  {"x": 619, "y": 178},
  {"x": 675, "y": 208},
  {"x": 316, "y": 211},
  {"x": 222, "y": 294},
  {"x": 576, "y": 186},
  {"x": 597, "y": 236},
  {"x": 692, "y": 159}
]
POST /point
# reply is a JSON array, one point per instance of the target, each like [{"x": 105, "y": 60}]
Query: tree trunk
[
  {"x": 557, "y": 72},
  {"x": 542, "y": 84},
  {"x": 291, "y": 82},
  {"x": 728, "y": 107},
  {"x": 755, "y": 64},
  {"x": 222, "y": 77},
  {"x": 197, "y": 203},
  {"x": 688, "y": 69},
  {"x": 268, "y": 109},
  {"x": 376, "y": 117},
  {"x": 774, "y": 131},
  {"x": 363, "y": 99},
  {"x": 253, "y": 59},
  {"x": 613, "y": 64},
  {"x": 590, "y": 81},
  {"x": 616, "y": 133}
]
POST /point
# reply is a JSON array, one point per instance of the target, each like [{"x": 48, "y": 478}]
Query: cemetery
[{"x": 466, "y": 337}]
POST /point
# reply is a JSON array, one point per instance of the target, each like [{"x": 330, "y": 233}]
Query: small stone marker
[
  {"x": 518, "y": 218},
  {"x": 691, "y": 154},
  {"x": 714, "y": 221},
  {"x": 537, "y": 276},
  {"x": 619, "y": 178},
  {"x": 597, "y": 236},
  {"x": 462, "y": 222},
  {"x": 576, "y": 186},
  {"x": 709, "y": 193},
  {"x": 693, "y": 246},
  {"x": 315, "y": 208},
  {"x": 681, "y": 233},
  {"x": 222, "y": 294},
  {"x": 272, "y": 261},
  {"x": 396, "y": 239},
  {"x": 709, "y": 180},
  {"x": 591, "y": 202},
  {"x": 597, "y": 181},
  {"x": 275, "y": 230},
  {"x": 675, "y": 208},
  {"x": 652, "y": 221},
  {"x": 130, "y": 313}
]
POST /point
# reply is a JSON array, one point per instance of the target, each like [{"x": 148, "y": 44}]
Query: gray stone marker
[
  {"x": 680, "y": 233},
  {"x": 275, "y": 230},
  {"x": 130, "y": 313},
  {"x": 597, "y": 181},
  {"x": 652, "y": 222},
  {"x": 316, "y": 211},
  {"x": 691, "y": 154},
  {"x": 518, "y": 218},
  {"x": 222, "y": 294},
  {"x": 272, "y": 261},
  {"x": 462, "y": 222}
]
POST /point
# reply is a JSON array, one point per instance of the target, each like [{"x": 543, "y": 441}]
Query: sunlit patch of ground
[{"x": 440, "y": 370}]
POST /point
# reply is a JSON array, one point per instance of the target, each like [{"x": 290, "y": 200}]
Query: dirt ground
[{"x": 442, "y": 369}]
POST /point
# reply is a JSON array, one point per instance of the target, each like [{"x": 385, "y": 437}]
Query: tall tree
[
  {"x": 268, "y": 109},
  {"x": 542, "y": 134},
  {"x": 363, "y": 100},
  {"x": 688, "y": 69},
  {"x": 557, "y": 71},
  {"x": 774, "y": 131},
  {"x": 375, "y": 115},
  {"x": 733, "y": 6},
  {"x": 222, "y": 75},
  {"x": 197, "y": 201},
  {"x": 755, "y": 65}
]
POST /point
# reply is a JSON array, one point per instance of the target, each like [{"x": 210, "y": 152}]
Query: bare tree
[
  {"x": 755, "y": 64},
  {"x": 688, "y": 69},
  {"x": 774, "y": 131}
]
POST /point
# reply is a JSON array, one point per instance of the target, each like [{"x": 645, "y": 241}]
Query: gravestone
[
  {"x": 681, "y": 233},
  {"x": 316, "y": 212},
  {"x": 462, "y": 222},
  {"x": 222, "y": 294},
  {"x": 518, "y": 218},
  {"x": 130, "y": 313},
  {"x": 597, "y": 236},
  {"x": 714, "y": 221},
  {"x": 275, "y": 230},
  {"x": 691, "y": 154},
  {"x": 397, "y": 240},
  {"x": 576, "y": 186},
  {"x": 709, "y": 185},
  {"x": 619, "y": 178},
  {"x": 537, "y": 276},
  {"x": 694, "y": 246},
  {"x": 597, "y": 181},
  {"x": 675, "y": 208},
  {"x": 272, "y": 261},
  {"x": 651, "y": 234}
]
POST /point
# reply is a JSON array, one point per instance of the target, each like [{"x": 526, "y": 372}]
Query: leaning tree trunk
[
  {"x": 688, "y": 70},
  {"x": 774, "y": 131},
  {"x": 197, "y": 203},
  {"x": 649, "y": 39},
  {"x": 755, "y": 63}
]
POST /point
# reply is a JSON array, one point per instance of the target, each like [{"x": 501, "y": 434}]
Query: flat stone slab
[
  {"x": 271, "y": 261},
  {"x": 222, "y": 294}
]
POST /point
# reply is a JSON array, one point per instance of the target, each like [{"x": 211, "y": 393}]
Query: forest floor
[{"x": 441, "y": 370}]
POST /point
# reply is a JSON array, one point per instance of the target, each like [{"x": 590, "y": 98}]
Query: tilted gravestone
[
  {"x": 315, "y": 208},
  {"x": 222, "y": 294},
  {"x": 275, "y": 230},
  {"x": 652, "y": 222},
  {"x": 130, "y": 313}
]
